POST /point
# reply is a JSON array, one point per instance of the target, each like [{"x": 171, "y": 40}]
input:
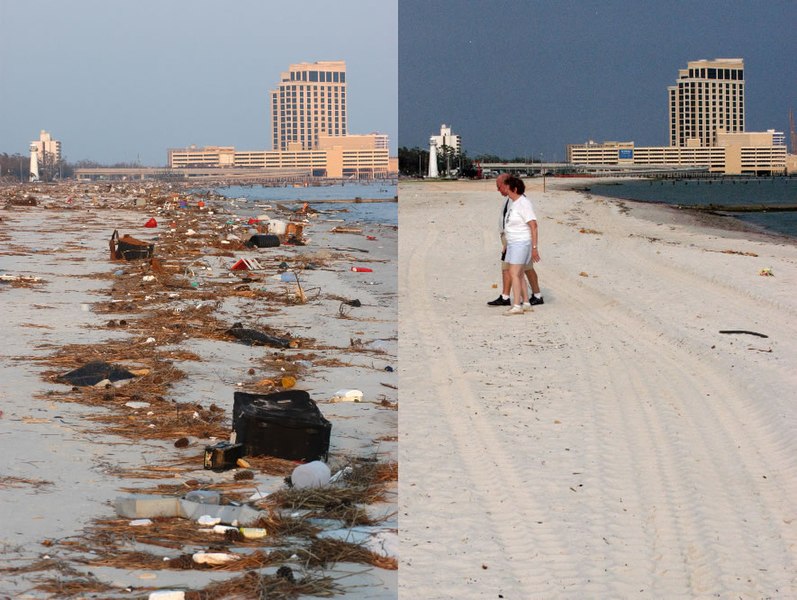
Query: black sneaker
[
  {"x": 500, "y": 302},
  {"x": 534, "y": 301}
]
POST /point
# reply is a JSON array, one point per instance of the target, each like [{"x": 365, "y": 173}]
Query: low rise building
[
  {"x": 748, "y": 153},
  {"x": 338, "y": 157}
]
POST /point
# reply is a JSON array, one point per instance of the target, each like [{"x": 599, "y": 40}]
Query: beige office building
[
  {"x": 339, "y": 157},
  {"x": 707, "y": 99},
  {"x": 310, "y": 101},
  {"x": 752, "y": 153}
]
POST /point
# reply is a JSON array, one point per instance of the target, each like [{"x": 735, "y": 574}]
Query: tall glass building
[{"x": 309, "y": 101}]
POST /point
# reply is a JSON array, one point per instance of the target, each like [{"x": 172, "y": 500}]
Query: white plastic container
[
  {"x": 167, "y": 595},
  {"x": 214, "y": 558},
  {"x": 208, "y": 520},
  {"x": 313, "y": 474},
  {"x": 348, "y": 396},
  {"x": 253, "y": 533},
  {"x": 277, "y": 227},
  {"x": 204, "y": 496}
]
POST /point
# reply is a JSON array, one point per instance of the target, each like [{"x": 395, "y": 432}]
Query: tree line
[
  {"x": 16, "y": 167},
  {"x": 414, "y": 162}
]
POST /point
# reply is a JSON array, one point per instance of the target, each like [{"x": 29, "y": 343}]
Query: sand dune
[{"x": 612, "y": 443}]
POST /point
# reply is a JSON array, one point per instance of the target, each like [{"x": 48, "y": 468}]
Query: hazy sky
[
  {"x": 520, "y": 77},
  {"x": 124, "y": 81}
]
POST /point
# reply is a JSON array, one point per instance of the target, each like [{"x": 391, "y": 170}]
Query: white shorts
[{"x": 518, "y": 253}]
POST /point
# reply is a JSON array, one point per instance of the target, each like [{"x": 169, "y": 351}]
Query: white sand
[{"x": 612, "y": 443}]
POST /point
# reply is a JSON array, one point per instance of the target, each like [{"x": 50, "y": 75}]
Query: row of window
[
  {"x": 709, "y": 85},
  {"x": 320, "y": 76},
  {"x": 301, "y": 89},
  {"x": 293, "y": 94},
  {"x": 715, "y": 73}
]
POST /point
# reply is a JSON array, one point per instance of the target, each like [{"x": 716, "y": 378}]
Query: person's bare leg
[
  {"x": 506, "y": 281},
  {"x": 531, "y": 275},
  {"x": 518, "y": 289}
]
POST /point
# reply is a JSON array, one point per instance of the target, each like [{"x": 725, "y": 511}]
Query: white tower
[
  {"x": 34, "y": 162},
  {"x": 433, "y": 157}
]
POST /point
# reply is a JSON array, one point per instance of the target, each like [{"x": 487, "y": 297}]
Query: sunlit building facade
[
  {"x": 310, "y": 100},
  {"x": 339, "y": 157}
]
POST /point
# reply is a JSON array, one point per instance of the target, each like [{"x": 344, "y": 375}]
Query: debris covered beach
[{"x": 209, "y": 306}]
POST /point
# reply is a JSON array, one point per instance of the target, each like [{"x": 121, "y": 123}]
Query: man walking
[{"x": 506, "y": 281}]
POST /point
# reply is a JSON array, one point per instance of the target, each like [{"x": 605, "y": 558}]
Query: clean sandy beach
[{"x": 631, "y": 437}]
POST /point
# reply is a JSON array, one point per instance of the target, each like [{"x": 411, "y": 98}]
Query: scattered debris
[
  {"x": 252, "y": 337},
  {"x": 347, "y": 396},
  {"x": 741, "y": 331},
  {"x": 95, "y": 372},
  {"x": 311, "y": 475},
  {"x": 247, "y": 264},
  {"x": 129, "y": 248}
]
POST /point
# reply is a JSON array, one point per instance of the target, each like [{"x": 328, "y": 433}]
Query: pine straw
[
  {"x": 258, "y": 586},
  {"x": 17, "y": 482},
  {"x": 364, "y": 485},
  {"x": 326, "y": 551},
  {"x": 169, "y": 422},
  {"x": 184, "y": 562},
  {"x": 73, "y": 583},
  {"x": 105, "y": 536}
]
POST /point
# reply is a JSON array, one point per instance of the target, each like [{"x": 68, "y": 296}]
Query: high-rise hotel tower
[
  {"x": 310, "y": 101},
  {"x": 708, "y": 98}
]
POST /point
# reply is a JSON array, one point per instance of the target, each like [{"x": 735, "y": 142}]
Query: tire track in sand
[
  {"x": 490, "y": 469},
  {"x": 697, "y": 519}
]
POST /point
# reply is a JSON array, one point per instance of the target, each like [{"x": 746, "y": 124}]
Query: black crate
[
  {"x": 263, "y": 240},
  {"x": 285, "y": 424}
]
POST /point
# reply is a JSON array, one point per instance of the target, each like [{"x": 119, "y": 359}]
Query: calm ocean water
[
  {"x": 770, "y": 192},
  {"x": 350, "y": 212}
]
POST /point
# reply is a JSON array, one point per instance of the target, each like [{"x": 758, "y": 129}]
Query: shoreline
[{"x": 726, "y": 223}]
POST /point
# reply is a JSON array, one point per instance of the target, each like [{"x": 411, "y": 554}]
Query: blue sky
[
  {"x": 522, "y": 77},
  {"x": 125, "y": 81}
]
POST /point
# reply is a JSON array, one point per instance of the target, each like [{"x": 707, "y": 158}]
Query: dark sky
[{"x": 516, "y": 77}]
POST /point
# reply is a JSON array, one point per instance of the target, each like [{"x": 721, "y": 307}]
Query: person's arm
[{"x": 535, "y": 253}]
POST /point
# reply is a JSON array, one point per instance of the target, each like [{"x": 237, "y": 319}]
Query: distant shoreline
[{"x": 659, "y": 210}]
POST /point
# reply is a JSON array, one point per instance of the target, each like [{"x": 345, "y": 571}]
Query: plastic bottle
[
  {"x": 310, "y": 475},
  {"x": 362, "y": 270}
]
